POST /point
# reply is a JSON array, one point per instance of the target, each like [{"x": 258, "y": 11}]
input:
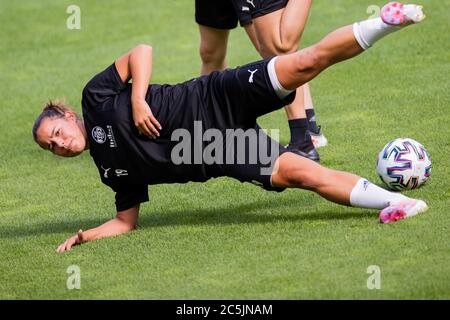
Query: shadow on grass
[{"x": 237, "y": 214}]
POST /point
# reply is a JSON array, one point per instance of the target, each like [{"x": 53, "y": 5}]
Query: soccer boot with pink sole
[
  {"x": 402, "y": 210},
  {"x": 400, "y": 14}
]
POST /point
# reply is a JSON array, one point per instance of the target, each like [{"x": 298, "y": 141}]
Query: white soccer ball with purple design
[{"x": 404, "y": 164}]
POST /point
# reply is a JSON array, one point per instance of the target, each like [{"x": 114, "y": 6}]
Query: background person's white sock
[
  {"x": 368, "y": 195},
  {"x": 370, "y": 31}
]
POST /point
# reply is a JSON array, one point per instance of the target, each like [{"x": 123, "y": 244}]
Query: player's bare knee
[
  {"x": 285, "y": 47},
  {"x": 277, "y": 48},
  {"x": 305, "y": 179},
  {"x": 211, "y": 55}
]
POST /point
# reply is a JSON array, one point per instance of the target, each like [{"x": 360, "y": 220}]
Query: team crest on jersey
[{"x": 99, "y": 135}]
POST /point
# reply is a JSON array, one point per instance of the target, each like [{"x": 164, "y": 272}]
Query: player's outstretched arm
[
  {"x": 137, "y": 65},
  {"x": 124, "y": 222}
]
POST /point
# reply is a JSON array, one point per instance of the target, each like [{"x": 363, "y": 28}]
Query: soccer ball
[{"x": 404, "y": 164}]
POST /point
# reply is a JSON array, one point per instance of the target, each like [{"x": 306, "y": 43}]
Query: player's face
[{"x": 62, "y": 136}]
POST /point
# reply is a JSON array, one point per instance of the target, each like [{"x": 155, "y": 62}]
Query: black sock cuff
[
  {"x": 299, "y": 123},
  {"x": 310, "y": 113}
]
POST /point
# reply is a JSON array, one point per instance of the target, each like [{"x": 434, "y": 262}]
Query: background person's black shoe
[{"x": 306, "y": 151}]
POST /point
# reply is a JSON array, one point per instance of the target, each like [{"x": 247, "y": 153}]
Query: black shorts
[
  {"x": 224, "y": 14},
  {"x": 238, "y": 97}
]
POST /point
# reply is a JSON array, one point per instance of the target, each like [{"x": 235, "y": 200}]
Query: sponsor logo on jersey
[
  {"x": 112, "y": 140},
  {"x": 251, "y": 2},
  {"x": 99, "y": 135},
  {"x": 244, "y": 8}
]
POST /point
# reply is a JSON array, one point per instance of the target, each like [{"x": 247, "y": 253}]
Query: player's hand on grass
[
  {"x": 144, "y": 120},
  {"x": 76, "y": 239}
]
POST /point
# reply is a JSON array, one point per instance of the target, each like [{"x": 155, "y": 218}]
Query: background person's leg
[
  {"x": 213, "y": 49},
  {"x": 318, "y": 138},
  {"x": 215, "y": 19},
  {"x": 278, "y": 33}
]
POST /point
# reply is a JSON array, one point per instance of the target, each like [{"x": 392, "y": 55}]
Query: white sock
[
  {"x": 368, "y": 195},
  {"x": 370, "y": 31}
]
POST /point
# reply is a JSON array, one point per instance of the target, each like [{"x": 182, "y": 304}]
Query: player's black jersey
[{"x": 128, "y": 162}]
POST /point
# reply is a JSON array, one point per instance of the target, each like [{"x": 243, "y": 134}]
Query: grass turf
[{"x": 221, "y": 239}]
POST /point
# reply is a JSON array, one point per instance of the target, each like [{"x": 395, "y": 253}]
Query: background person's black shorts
[{"x": 224, "y": 14}]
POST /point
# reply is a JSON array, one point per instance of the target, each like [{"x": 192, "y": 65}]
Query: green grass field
[{"x": 221, "y": 239}]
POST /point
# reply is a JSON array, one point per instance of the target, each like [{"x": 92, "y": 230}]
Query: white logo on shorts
[
  {"x": 99, "y": 135},
  {"x": 251, "y": 2},
  {"x": 244, "y": 8},
  {"x": 250, "y": 80},
  {"x": 105, "y": 174}
]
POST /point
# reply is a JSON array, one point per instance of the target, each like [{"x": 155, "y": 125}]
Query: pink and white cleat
[
  {"x": 400, "y": 14},
  {"x": 401, "y": 210}
]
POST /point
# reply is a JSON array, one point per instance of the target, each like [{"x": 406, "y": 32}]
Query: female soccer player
[
  {"x": 274, "y": 27},
  {"x": 195, "y": 120}
]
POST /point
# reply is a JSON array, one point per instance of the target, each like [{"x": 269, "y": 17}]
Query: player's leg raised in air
[{"x": 295, "y": 69}]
